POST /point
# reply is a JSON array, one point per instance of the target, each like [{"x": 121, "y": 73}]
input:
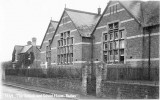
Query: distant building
[
  {"x": 45, "y": 45},
  {"x": 27, "y": 56}
]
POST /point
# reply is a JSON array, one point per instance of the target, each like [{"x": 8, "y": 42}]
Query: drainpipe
[
  {"x": 92, "y": 37},
  {"x": 149, "y": 54}
]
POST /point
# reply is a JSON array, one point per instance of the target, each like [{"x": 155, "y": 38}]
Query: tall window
[
  {"x": 65, "y": 49},
  {"x": 113, "y": 44},
  {"x": 113, "y": 9},
  {"x": 48, "y": 53}
]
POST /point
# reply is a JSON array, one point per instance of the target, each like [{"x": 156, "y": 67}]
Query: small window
[
  {"x": 71, "y": 57},
  {"x": 110, "y": 26},
  {"x": 116, "y": 44},
  {"x": 116, "y": 8},
  {"x": 68, "y": 33},
  {"x": 61, "y": 35},
  {"x": 111, "y": 36},
  {"x": 111, "y": 45},
  {"x": 115, "y": 34},
  {"x": 121, "y": 43},
  {"x": 105, "y": 56},
  {"x": 64, "y": 41},
  {"x": 111, "y": 56},
  {"x": 121, "y": 32},
  {"x": 105, "y": 46},
  {"x": 122, "y": 55},
  {"x": 64, "y": 35},
  {"x": 116, "y": 25},
  {"x": 110, "y": 10},
  {"x": 105, "y": 37},
  {"x": 116, "y": 55},
  {"x": 72, "y": 40}
]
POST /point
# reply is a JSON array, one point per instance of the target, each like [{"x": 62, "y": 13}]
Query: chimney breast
[
  {"x": 29, "y": 43},
  {"x": 99, "y": 11},
  {"x": 34, "y": 41}
]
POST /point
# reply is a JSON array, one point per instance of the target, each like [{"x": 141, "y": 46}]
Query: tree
[{"x": 7, "y": 64}]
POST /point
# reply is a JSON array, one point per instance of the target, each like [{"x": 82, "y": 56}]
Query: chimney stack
[
  {"x": 29, "y": 43},
  {"x": 99, "y": 11},
  {"x": 34, "y": 41}
]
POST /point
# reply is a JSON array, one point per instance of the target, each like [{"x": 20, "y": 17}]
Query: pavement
[{"x": 54, "y": 93}]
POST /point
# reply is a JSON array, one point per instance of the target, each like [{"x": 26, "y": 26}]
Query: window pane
[
  {"x": 116, "y": 45},
  {"x": 64, "y": 35},
  {"x": 105, "y": 46},
  {"x": 105, "y": 37},
  {"x": 121, "y": 43},
  {"x": 64, "y": 41},
  {"x": 105, "y": 56},
  {"x": 110, "y": 10},
  {"x": 121, "y": 33},
  {"x": 116, "y": 55},
  {"x": 116, "y": 25},
  {"x": 111, "y": 45},
  {"x": 71, "y": 56},
  {"x": 110, "y": 26},
  {"x": 115, "y": 34},
  {"x": 58, "y": 43},
  {"x": 68, "y": 58},
  {"x": 71, "y": 49},
  {"x": 122, "y": 55},
  {"x": 72, "y": 40},
  {"x": 68, "y": 33},
  {"x": 67, "y": 41},
  {"x": 62, "y": 59},
  {"x": 122, "y": 52},
  {"x": 111, "y": 56},
  {"x": 67, "y": 49},
  {"x": 61, "y": 35},
  {"x": 65, "y": 58},
  {"x": 58, "y": 60}
]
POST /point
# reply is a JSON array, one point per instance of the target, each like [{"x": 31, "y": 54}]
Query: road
[{"x": 14, "y": 93}]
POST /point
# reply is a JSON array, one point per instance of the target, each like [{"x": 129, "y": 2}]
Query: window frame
[
  {"x": 114, "y": 48},
  {"x": 66, "y": 58}
]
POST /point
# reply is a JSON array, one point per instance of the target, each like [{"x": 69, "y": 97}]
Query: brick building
[
  {"x": 71, "y": 43},
  {"x": 127, "y": 36},
  {"x": 45, "y": 48},
  {"x": 27, "y": 56}
]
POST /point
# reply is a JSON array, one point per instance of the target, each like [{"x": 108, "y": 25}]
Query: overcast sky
[{"x": 20, "y": 20}]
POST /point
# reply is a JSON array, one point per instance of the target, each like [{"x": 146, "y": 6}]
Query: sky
[{"x": 20, "y": 20}]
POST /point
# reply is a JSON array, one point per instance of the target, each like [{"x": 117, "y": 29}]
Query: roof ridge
[
  {"x": 54, "y": 21},
  {"x": 80, "y": 11},
  {"x": 19, "y": 45}
]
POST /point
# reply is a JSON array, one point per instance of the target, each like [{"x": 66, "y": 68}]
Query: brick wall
[
  {"x": 136, "y": 41},
  {"x": 123, "y": 89},
  {"x": 67, "y": 85},
  {"x": 77, "y": 48}
]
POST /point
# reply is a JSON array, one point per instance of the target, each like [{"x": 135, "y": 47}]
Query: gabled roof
[
  {"x": 26, "y": 48},
  {"x": 146, "y": 13},
  {"x": 84, "y": 21},
  {"x": 52, "y": 24},
  {"x": 151, "y": 13},
  {"x": 18, "y": 48}
]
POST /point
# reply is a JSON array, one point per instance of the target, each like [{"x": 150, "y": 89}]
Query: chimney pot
[
  {"x": 99, "y": 11},
  {"x": 29, "y": 43},
  {"x": 34, "y": 41}
]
